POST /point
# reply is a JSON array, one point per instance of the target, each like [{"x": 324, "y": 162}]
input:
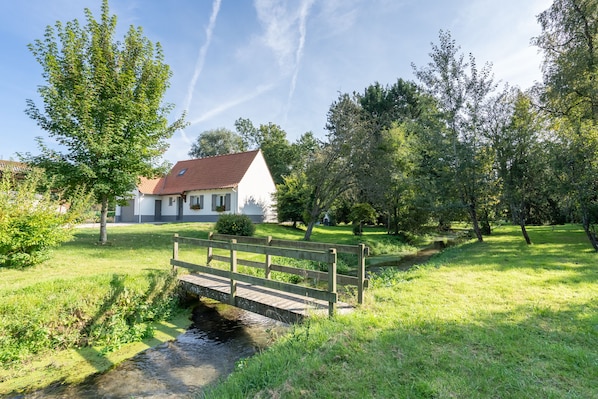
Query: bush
[
  {"x": 238, "y": 225},
  {"x": 32, "y": 220}
]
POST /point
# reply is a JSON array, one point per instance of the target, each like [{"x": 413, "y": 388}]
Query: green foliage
[
  {"x": 292, "y": 197},
  {"x": 33, "y": 219},
  {"x": 217, "y": 142},
  {"x": 362, "y": 213},
  {"x": 238, "y": 225},
  {"x": 126, "y": 314},
  {"x": 568, "y": 41},
  {"x": 102, "y": 105},
  {"x": 64, "y": 314}
]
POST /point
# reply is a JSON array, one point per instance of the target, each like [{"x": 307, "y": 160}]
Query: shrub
[
  {"x": 238, "y": 225},
  {"x": 31, "y": 220}
]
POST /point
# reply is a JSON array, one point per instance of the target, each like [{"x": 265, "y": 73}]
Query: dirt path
[{"x": 408, "y": 261}]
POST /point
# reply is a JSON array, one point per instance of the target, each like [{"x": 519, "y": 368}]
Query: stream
[{"x": 219, "y": 337}]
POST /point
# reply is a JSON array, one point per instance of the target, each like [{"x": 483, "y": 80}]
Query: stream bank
[{"x": 219, "y": 337}]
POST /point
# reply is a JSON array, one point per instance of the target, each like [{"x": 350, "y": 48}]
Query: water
[{"x": 219, "y": 337}]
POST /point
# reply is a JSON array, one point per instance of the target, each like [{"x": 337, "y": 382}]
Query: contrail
[
  {"x": 239, "y": 100},
  {"x": 305, "y": 6},
  {"x": 202, "y": 54},
  {"x": 200, "y": 61}
]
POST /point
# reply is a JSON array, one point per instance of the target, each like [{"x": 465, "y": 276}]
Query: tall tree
[
  {"x": 272, "y": 140},
  {"x": 218, "y": 141},
  {"x": 517, "y": 134},
  {"x": 461, "y": 90},
  {"x": 381, "y": 175},
  {"x": 569, "y": 40},
  {"x": 102, "y": 104},
  {"x": 330, "y": 174}
]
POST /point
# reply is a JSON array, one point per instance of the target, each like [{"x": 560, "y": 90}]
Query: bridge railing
[
  {"x": 328, "y": 256},
  {"x": 361, "y": 251}
]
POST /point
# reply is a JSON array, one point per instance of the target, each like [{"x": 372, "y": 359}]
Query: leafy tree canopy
[
  {"x": 217, "y": 142},
  {"x": 102, "y": 105}
]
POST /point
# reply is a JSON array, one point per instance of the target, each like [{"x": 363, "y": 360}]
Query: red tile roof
[
  {"x": 222, "y": 171},
  {"x": 149, "y": 186},
  {"x": 13, "y": 166}
]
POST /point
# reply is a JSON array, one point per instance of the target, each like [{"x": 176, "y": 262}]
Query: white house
[{"x": 200, "y": 190}]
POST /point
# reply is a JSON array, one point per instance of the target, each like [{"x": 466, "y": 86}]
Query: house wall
[
  {"x": 206, "y": 214},
  {"x": 130, "y": 213},
  {"x": 255, "y": 192}
]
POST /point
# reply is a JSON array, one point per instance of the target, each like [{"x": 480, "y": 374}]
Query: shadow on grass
[
  {"x": 531, "y": 352},
  {"x": 563, "y": 252}
]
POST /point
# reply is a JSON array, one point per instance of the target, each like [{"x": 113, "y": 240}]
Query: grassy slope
[
  {"x": 498, "y": 319},
  {"x": 80, "y": 276}
]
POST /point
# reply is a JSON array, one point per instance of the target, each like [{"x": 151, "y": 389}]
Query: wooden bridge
[{"x": 276, "y": 299}]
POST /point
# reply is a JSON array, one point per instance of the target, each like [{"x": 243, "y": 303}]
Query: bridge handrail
[
  {"x": 328, "y": 256},
  {"x": 361, "y": 250}
]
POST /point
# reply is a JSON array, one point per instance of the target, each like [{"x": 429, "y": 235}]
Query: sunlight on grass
[{"x": 492, "y": 319}]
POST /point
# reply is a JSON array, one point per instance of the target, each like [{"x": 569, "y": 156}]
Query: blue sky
[{"x": 271, "y": 61}]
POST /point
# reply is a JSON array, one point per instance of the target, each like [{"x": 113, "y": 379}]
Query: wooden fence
[
  {"x": 361, "y": 251},
  {"x": 325, "y": 253}
]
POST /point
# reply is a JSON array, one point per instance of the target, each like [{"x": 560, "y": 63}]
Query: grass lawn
[{"x": 497, "y": 319}]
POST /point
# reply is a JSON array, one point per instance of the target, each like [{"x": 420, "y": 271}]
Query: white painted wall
[
  {"x": 255, "y": 190},
  {"x": 167, "y": 208}
]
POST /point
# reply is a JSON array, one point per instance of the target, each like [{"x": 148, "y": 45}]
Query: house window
[
  {"x": 170, "y": 201},
  {"x": 220, "y": 203},
  {"x": 196, "y": 202},
  {"x": 182, "y": 172}
]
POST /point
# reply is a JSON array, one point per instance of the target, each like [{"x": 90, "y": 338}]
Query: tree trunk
[
  {"x": 586, "y": 227},
  {"x": 476, "y": 225},
  {"x": 103, "y": 218},
  {"x": 519, "y": 213},
  {"x": 486, "y": 229},
  {"x": 310, "y": 227},
  {"x": 524, "y": 231}
]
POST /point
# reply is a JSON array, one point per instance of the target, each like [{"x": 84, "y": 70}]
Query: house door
[
  {"x": 158, "y": 211},
  {"x": 179, "y": 208},
  {"x": 127, "y": 212}
]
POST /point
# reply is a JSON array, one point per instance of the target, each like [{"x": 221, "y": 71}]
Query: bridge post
[
  {"x": 360, "y": 273},
  {"x": 175, "y": 248},
  {"x": 268, "y": 264},
  {"x": 233, "y": 269},
  {"x": 332, "y": 281},
  {"x": 210, "y": 249}
]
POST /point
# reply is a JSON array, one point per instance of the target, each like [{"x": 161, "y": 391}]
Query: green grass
[
  {"x": 497, "y": 319},
  {"x": 91, "y": 306}
]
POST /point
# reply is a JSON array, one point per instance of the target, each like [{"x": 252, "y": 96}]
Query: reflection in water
[{"x": 219, "y": 337}]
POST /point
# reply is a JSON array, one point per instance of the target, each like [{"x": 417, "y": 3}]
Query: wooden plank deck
[{"x": 282, "y": 306}]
